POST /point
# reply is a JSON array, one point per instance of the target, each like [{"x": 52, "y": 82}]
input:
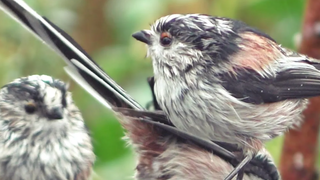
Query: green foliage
[{"x": 124, "y": 58}]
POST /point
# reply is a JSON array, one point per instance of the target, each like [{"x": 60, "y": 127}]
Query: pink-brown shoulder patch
[{"x": 256, "y": 52}]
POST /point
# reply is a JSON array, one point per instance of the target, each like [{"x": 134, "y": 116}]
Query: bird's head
[
  {"x": 38, "y": 104},
  {"x": 179, "y": 43}
]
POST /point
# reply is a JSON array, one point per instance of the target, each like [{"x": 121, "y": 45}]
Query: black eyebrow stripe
[
  {"x": 63, "y": 89},
  {"x": 19, "y": 87},
  {"x": 64, "y": 98}
]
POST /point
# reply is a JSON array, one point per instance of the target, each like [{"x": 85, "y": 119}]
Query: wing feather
[{"x": 290, "y": 83}]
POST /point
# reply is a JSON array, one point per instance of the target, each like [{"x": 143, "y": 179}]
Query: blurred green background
[{"x": 104, "y": 28}]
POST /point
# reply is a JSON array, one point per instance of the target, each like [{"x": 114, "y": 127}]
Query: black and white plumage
[
  {"x": 223, "y": 80},
  {"x": 165, "y": 156},
  {"x": 140, "y": 128},
  {"x": 42, "y": 133}
]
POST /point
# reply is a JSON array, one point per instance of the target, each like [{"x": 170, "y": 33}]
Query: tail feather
[
  {"x": 92, "y": 78},
  {"x": 82, "y": 68}
]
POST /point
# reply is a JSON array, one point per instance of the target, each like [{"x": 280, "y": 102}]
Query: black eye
[
  {"x": 30, "y": 108},
  {"x": 165, "y": 39}
]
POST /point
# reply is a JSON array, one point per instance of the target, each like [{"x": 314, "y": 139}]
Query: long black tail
[
  {"x": 93, "y": 79},
  {"x": 82, "y": 68}
]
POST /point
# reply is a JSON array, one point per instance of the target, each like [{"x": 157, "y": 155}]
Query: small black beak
[
  {"x": 142, "y": 36},
  {"x": 55, "y": 113}
]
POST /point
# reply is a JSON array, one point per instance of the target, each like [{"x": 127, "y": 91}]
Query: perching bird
[
  {"x": 42, "y": 132},
  {"x": 164, "y": 156},
  {"x": 84, "y": 70},
  {"x": 225, "y": 81}
]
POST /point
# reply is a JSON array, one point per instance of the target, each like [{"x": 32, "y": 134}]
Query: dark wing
[
  {"x": 291, "y": 83},
  {"x": 89, "y": 75},
  {"x": 93, "y": 79},
  {"x": 259, "y": 165}
]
